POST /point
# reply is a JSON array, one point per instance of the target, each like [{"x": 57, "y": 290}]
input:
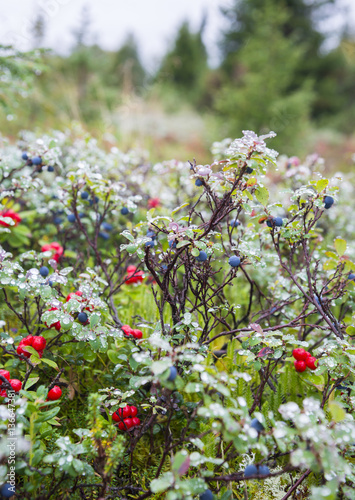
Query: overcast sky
[{"x": 153, "y": 22}]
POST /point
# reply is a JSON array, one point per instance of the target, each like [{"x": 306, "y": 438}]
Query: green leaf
[
  {"x": 321, "y": 184},
  {"x": 350, "y": 330},
  {"x": 31, "y": 382},
  {"x": 162, "y": 483},
  {"x": 262, "y": 195},
  {"x": 195, "y": 252},
  {"x": 94, "y": 320},
  {"x": 340, "y": 246},
  {"x": 51, "y": 363},
  {"x": 337, "y": 411},
  {"x": 179, "y": 208}
]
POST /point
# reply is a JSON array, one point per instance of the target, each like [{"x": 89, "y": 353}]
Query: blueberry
[
  {"x": 264, "y": 470},
  {"x": 150, "y": 243},
  {"x": 7, "y": 491},
  {"x": 57, "y": 220},
  {"x": 82, "y": 317},
  {"x": 250, "y": 470},
  {"x": 278, "y": 221},
  {"x": 206, "y": 495},
  {"x": 269, "y": 222},
  {"x": 249, "y": 170},
  {"x": 172, "y": 244},
  {"x": 96, "y": 200},
  {"x": 82, "y": 215},
  {"x": 173, "y": 374},
  {"x": 37, "y": 160},
  {"x": 71, "y": 218},
  {"x": 255, "y": 424},
  {"x": 50, "y": 168},
  {"x": 234, "y": 261},
  {"x": 106, "y": 226},
  {"x": 51, "y": 283},
  {"x": 44, "y": 271},
  {"x": 202, "y": 256},
  {"x": 351, "y": 276},
  {"x": 150, "y": 234},
  {"x": 124, "y": 211},
  {"x": 24, "y": 156},
  {"x": 234, "y": 223},
  {"x": 198, "y": 182},
  {"x": 104, "y": 235},
  {"x": 84, "y": 195},
  {"x": 328, "y": 201}
]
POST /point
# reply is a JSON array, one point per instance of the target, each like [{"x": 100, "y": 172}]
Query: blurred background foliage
[{"x": 275, "y": 73}]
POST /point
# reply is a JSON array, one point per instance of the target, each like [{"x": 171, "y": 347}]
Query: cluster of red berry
[
  {"x": 303, "y": 359},
  {"x": 127, "y": 330},
  {"x": 76, "y": 294},
  {"x": 133, "y": 276},
  {"x": 54, "y": 246},
  {"x": 37, "y": 342},
  {"x": 15, "y": 384},
  {"x": 127, "y": 417}
]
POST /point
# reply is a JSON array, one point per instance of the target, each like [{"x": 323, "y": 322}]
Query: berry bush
[{"x": 176, "y": 330}]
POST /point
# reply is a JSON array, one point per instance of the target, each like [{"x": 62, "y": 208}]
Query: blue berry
[
  {"x": 44, "y": 271},
  {"x": 24, "y": 156},
  {"x": 234, "y": 223},
  {"x": 106, "y": 226},
  {"x": 264, "y": 470},
  {"x": 198, "y": 183},
  {"x": 71, "y": 218},
  {"x": 124, "y": 211},
  {"x": 206, "y": 495},
  {"x": 278, "y": 221},
  {"x": 172, "y": 244},
  {"x": 51, "y": 283},
  {"x": 50, "y": 168},
  {"x": 328, "y": 201},
  {"x": 82, "y": 215},
  {"x": 150, "y": 234},
  {"x": 7, "y": 491},
  {"x": 249, "y": 170},
  {"x": 104, "y": 235},
  {"x": 84, "y": 195},
  {"x": 37, "y": 160},
  {"x": 96, "y": 200},
  {"x": 57, "y": 220},
  {"x": 250, "y": 470},
  {"x": 255, "y": 424},
  {"x": 82, "y": 317},
  {"x": 202, "y": 256},
  {"x": 234, "y": 261},
  {"x": 351, "y": 276},
  {"x": 150, "y": 243},
  {"x": 173, "y": 374}
]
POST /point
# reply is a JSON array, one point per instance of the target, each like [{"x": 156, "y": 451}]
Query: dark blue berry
[
  {"x": 150, "y": 234},
  {"x": 7, "y": 491},
  {"x": 351, "y": 276},
  {"x": 172, "y": 244},
  {"x": 250, "y": 470},
  {"x": 234, "y": 261},
  {"x": 44, "y": 271},
  {"x": 198, "y": 183},
  {"x": 82, "y": 215},
  {"x": 278, "y": 221},
  {"x": 150, "y": 243},
  {"x": 37, "y": 160},
  {"x": 104, "y": 235},
  {"x": 71, "y": 218},
  {"x": 202, "y": 256},
  {"x": 206, "y": 495},
  {"x": 106, "y": 226},
  {"x": 57, "y": 220},
  {"x": 264, "y": 470},
  {"x": 82, "y": 317},
  {"x": 328, "y": 201},
  {"x": 255, "y": 424},
  {"x": 24, "y": 156},
  {"x": 249, "y": 170},
  {"x": 50, "y": 168},
  {"x": 124, "y": 211},
  {"x": 84, "y": 195},
  {"x": 173, "y": 374},
  {"x": 234, "y": 223}
]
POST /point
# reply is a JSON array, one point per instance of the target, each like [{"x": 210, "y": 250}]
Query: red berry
[
  {"x": 72, "y": 294},
  {"x": 27, "y": 340},
  {"x": 54, "y": 393},
  {"x": 16, "y": 384},
  {"x": 121, "y": 426},
  {"x": 116, "y": 417},
  {"x": 56, "y": 325},
  {"x": 127, "y": 330},
  {"x": 134, "y": 411},
  {"x": 137, "y": 334},
  {"x": 311, "y": 362},
  {"x": 125, "y": 412},
  {"x": 39, "y": 343},
  {"x": 3, "y": 393},
  {"x": 128, "y": 422},
  {"x": 300, "y": 366},
  {"x": 299, "y": 354},
  {"x": 40, "y": 354},
  {"x": 308, "y": 354},
  {"x": 135, "y": 421},
  {"x": 21, "y": 350},
  {"x": 5, "y": 374}
]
